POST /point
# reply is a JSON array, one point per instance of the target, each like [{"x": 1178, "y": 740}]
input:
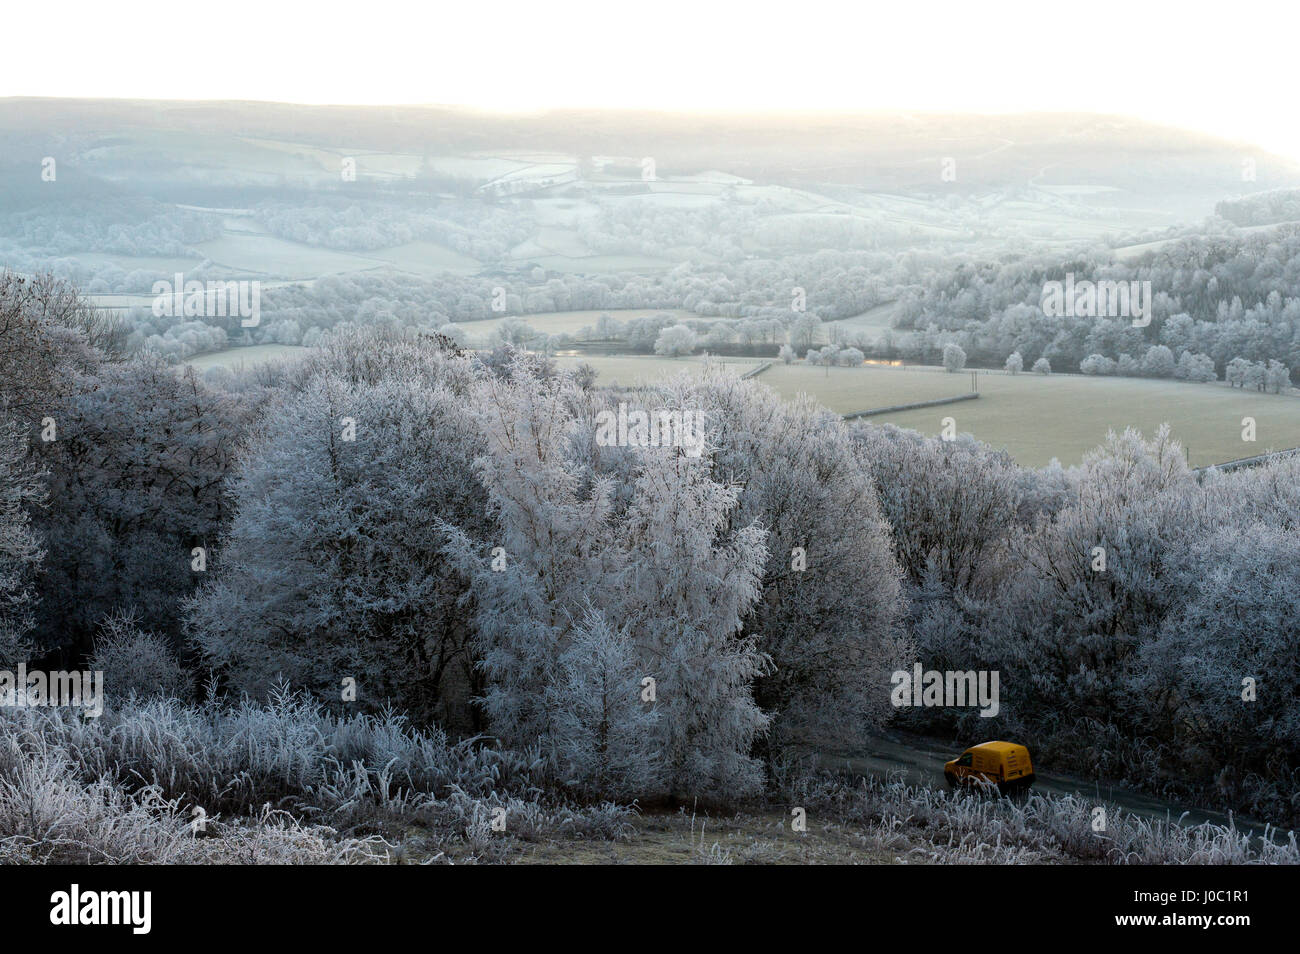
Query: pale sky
[{"x": 1222, "y": 68}]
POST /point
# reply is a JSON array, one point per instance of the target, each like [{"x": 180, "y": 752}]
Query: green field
[{"x": 1036, "y": 418}]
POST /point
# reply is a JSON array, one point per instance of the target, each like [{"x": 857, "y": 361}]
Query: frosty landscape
[{"x": 423, "y": 485}]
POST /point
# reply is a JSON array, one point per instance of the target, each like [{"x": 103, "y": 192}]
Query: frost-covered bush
[
  {"x": 675, "y": 341},
  {"x": 954, "y": 357},
  {"x": 1097, "y": 364},
  {"x": 134, "y": 660}
]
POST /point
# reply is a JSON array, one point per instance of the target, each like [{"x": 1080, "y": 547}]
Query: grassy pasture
[
  {"x": 1036, "y": 418},
  {"x": 246, "y": 357},
  {"x": 870, "y": 325},
  {"x": 268, "y": 255}
]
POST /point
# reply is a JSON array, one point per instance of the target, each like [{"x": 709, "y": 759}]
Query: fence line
[{"x": 893, "y": 408}]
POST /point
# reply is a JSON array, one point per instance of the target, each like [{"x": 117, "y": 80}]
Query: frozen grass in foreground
[
  {"x": 289, "y": 783},
  {"x": 285, "y": 782},
  {"x": 940, "y": 826}
]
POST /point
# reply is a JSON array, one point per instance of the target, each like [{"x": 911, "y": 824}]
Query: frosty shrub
[
  {"x": 675, "y": 341},
  {"x": 954, "y": 357},
  {"x": 136, "y": 661},
  {"x": 1097, "y": 364}
]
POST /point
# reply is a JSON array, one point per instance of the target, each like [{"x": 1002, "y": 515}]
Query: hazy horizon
[{"x": 1122, "y": 61}]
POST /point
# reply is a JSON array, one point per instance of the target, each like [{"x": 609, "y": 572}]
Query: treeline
[
  {"x": 1224, "y": 298},
  {"x": 128, "y": 225},
  {"x": 1261, "y": 208},
  {"x": 478, "y": 230},
  {"x": 761, "y": 293}
]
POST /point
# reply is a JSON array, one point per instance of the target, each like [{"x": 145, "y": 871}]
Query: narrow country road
[{"x": 920, "y": 759}]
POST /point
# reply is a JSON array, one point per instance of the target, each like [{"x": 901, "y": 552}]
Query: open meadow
[{"x": 1070, "y": 413}]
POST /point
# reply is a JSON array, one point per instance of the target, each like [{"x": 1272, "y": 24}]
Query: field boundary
[
  {"x": 893, "y": 408},
  {"x": 755, "y": 372},
  {"x": 1249, "y": 461}
]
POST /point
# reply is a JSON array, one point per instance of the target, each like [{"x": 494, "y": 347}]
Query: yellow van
[{"x": 1004, "y": 764}]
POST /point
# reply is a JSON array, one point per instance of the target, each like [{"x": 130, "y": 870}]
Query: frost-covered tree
[
  {"x": 1075, "y": 626},
  {"x": 1235, "y": 612},
  {"x": 333, "y": 565},
  {"x": 1277, "y": 380},
  {"x": 954, "y": 357},
  {"x": 136, "y": 479},
  {"x": 829, "y": 612},
  {"x": 1158, "y": 362},
  {"x": 1097, "y": 364},
  {"x": 827, "y": 357},
  {"x": 514, "y": 332},
  {"x": 1196, "y": 368},
  {"x": 948, "y": 502},
  {"x": 675, "y": 341},
  {"x": 805, "y": 331},
  {"x": 1042, "y": 366},
  {"x": 48, "y": 335},
  {"x": 786, "y": 354},
  {"x": 605, "y": 723},
  {"x": 647, "y": 539},
  {"x": 1254, "y": 377},
  {"x": 851, "y": 357},
  {"x": 1015, "y": 364},
  {"x": 21, "y": 553},
  {"x": 1235, "y": 374}
]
